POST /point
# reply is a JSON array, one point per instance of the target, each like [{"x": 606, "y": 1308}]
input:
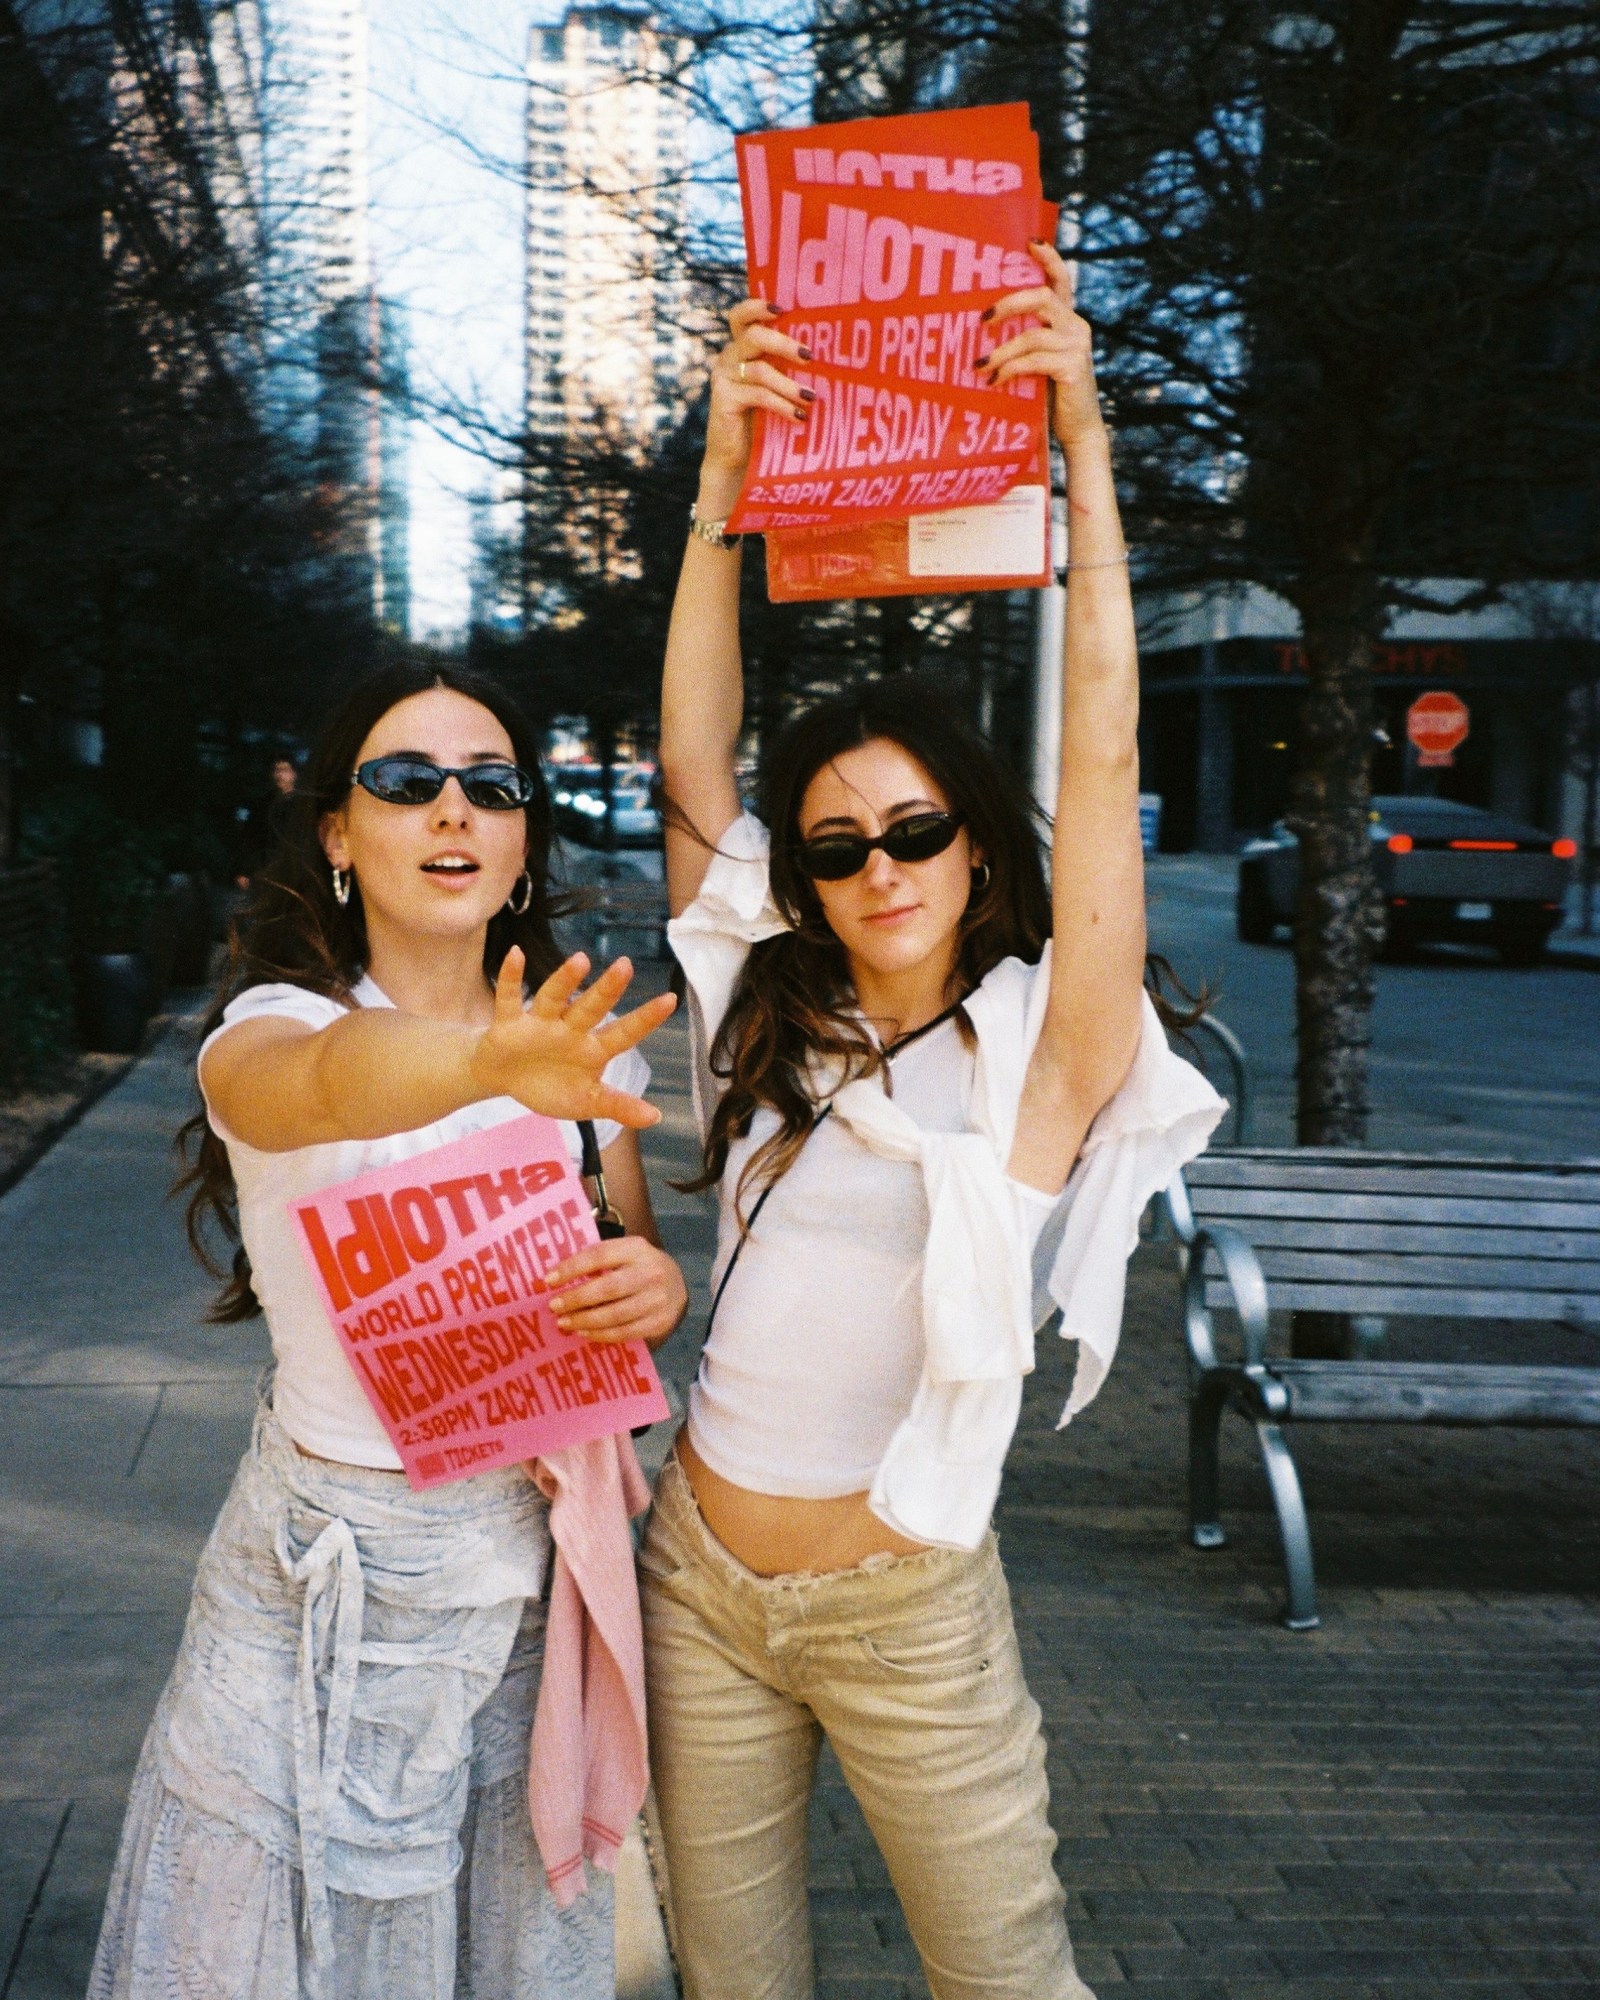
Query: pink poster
[{"x": 430, "y": 1271}]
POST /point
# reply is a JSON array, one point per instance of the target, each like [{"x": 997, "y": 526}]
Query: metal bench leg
[
  {"x": 1206, "y": 1404},
  {"x": 1293, "y": 1527}
]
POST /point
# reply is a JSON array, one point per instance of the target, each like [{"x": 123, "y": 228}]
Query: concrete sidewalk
[
  {"x": 1402, "y": 1803},
  {"x": 121, "y": 1421}
]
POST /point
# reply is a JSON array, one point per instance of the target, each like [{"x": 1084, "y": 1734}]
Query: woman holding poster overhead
[
  {"x": 935, "y": 1098},
  {"x": 334, "y": 1795}
]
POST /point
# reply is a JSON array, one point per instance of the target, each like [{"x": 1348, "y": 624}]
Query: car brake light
[
  {"x": 1486, "y": 846},
  {"x": 1564, "y": 850},
  {"x": 1399, "y": 843}
]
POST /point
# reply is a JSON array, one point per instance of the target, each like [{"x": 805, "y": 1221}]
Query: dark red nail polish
[
  {"x": 805, "y": 353},
  {"x": 808, "y": 395},
  {"x": 798, "y": 415},
  {"x": 984, "y": 360},
  {"x": 987, "y": 313}
]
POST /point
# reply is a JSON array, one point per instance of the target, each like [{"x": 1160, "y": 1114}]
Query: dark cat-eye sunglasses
[
  {"x": 832, "y": 857},
  {"x": 418, "y": 781}
]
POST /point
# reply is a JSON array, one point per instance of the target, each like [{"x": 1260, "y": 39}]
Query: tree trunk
[
  {"x": 1339, "y": 920},
  {"x": 1338, "y": 924},
  {"x": 899, "y": 642}
]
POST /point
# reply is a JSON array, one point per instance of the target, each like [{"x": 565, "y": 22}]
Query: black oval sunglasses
[
  {"x": 831, "y": 857},
  {"x": 418, "y": 781}
]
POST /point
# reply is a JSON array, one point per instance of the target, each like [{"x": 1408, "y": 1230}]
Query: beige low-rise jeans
[{"x": 909, "y": 1666}]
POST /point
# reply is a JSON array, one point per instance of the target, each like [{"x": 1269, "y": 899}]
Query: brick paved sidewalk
[{"x": 1405, "y": 1802}]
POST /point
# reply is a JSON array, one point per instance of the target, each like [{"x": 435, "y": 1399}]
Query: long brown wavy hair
[{"x": 293, "y": 930}]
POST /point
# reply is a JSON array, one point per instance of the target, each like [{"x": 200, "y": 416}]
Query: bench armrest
[
  {"x": 1241, "y": 1267},
  {"x": 1175, "y": 1198}
]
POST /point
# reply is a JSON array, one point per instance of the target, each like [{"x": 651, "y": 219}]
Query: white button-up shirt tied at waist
[{"x": 983, "y": 1293}]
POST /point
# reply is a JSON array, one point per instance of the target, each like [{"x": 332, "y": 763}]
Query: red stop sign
[{"x": 1437, "y": 724}]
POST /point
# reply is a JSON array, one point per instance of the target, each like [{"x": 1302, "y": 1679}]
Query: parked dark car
[
  {"x": 580, "y": 809},
  {"x": 1447, "y": 871}
]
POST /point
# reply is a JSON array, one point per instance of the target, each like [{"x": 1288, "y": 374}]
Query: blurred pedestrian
[
  {"x": 261, "y": 824},
  {"x": 934, "y": 1099}
]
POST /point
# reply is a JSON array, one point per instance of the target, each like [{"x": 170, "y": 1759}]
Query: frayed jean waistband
[{"x": 681, "y": 1518}]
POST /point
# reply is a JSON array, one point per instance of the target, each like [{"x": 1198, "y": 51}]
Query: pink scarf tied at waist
[{"x": 588, "y": 1764}]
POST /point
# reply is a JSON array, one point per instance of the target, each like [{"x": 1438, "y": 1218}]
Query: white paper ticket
[{"x": 1004, "y": 538}]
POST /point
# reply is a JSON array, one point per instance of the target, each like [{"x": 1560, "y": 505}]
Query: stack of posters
[{"x": 881, "y": 243}]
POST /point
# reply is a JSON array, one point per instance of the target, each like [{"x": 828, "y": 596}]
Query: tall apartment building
[
  {"x": 317, "y": 148},
  {"x": 340, "y": 351},
  {"x": 606, "y": 290}
]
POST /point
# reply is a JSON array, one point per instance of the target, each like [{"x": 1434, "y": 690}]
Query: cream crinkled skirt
[{"x": 331, "y": 1803}]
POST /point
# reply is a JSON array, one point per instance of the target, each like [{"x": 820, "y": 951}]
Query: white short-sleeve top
[
  {"x": 315, "y": 1394},
  {"x": 881, "y": 1317}
]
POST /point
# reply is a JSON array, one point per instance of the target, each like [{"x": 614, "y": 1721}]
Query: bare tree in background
[
  {"x": 1344, "y": 261},
  {"x": 165, "y": 572},
  {"x": 733, "y": 68}
]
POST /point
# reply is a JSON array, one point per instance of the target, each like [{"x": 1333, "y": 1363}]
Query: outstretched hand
[
  {"x": 1059, "y": 348},
  {"x": 549, "y": 1053}
]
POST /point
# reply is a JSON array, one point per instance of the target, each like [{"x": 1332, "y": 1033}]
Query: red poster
[
  {"x": 882, "y": 242},
  {"x": 429, "y": 1272}
]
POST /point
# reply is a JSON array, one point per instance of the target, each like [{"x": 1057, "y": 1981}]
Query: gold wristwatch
[{"x": 713, "y": 532}]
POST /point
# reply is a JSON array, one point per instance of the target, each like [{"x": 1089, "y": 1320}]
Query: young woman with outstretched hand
[
  {"x": 935, "y": 1098},
  {"x": 333, "y": 1799}
]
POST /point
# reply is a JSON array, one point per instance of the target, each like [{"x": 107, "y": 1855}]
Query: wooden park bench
[{"x": 1371, "y": 1237}]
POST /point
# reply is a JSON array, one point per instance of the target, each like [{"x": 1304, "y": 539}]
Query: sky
[
  {"x": 446, "y": 144},
  {"x": 446, "y": 147}
]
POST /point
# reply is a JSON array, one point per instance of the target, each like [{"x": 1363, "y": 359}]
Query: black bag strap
[
  {"x": 894, "y": 1049},
  {"x": 606, "y": 1218},
  {"x": 608, "y": 1223}
]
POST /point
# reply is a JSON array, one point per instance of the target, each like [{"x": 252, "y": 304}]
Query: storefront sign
[
  {"x": 1406, "y": 659},
  {"x": 1436, "y": 726},
  {"x": 430, "y": 1272}
]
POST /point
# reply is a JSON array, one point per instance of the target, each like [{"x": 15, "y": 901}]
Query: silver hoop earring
[
  {"x": 341, "y": 886},
  {"x": 524, "y": 882},
  {"x": 986, "y": 873}
]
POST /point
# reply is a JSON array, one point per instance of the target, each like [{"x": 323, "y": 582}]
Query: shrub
[
  {"x": 36, "y": 1038},
  {"x": 110, "y": 872}
]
